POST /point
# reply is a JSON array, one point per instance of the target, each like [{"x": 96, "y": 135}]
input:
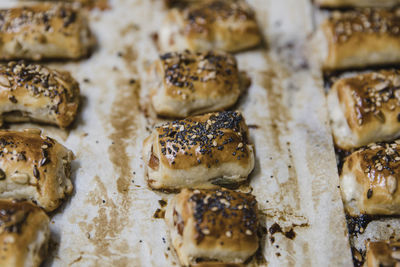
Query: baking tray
[{"x": 110, "y": 220}]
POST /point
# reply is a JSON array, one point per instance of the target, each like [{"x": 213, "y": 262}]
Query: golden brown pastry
[
  {"x": 365, "y": 108},
  {"x": 100, "y": 4},
  {"x": 357, "y": 3},
  {"x": 358, "y": 39},
  {"x": 213, "y": 226},
  {"x": 188, "y": 83},
  {"x": 370, "y": 180},
  {"x": 208, "y": 25},
  {"x": 44, "y": 31},
  {"x": 35, "y": 168},
  {"x": 383, "y": 253},
  {"x": 37, "y": 93},
  {"x": 199, "y": 152},
  {"x": 24, "y": 234}
]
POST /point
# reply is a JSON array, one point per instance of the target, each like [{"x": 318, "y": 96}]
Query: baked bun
[
  {"x": 369, "y": 181},
  {"x": 199, "y": 152},
  {"x": 24, "y": 234},
  {"x": 44, "y": 31},
  {"x": 35, "y": 168},
  {"x": 365, "y": 108},
  {"x": 210, "y": 24},
  {"x": 358, "y": 39},
  {"x": 32, "y": 92},
  {"x": 213, "y": 226},
  {"x": 188, "y": 83}
]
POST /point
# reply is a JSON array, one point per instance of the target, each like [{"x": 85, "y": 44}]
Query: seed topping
[{"x": 216, "y": 217}]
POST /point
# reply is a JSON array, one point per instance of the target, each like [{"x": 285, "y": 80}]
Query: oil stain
[
  {"x": 279, "y": 115},
  {"x": 130, "y": 57},
  {"x": 105, "y": 227},
  {"x": 122, "y": 120},
  {"x": 104, "y": 231},
  {"x": 159, "y": 214},
  {"x": 289, "y": 233}
]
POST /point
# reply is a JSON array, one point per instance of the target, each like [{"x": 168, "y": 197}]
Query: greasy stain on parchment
[
  {"x": 271, "y": 80},
  {"x": 123, "y": 116},
  {"x": 112, "y": 217},
  {"x": 279, "y": 115},
  {"x": 104, "y": 229}
]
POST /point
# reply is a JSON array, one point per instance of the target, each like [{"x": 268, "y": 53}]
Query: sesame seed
[
  {"x": 225, "y": 202},
  {"x": 228, "y": 234},
  {"x": 205, "y": 231},
  {"x": 249, "y": 232}
]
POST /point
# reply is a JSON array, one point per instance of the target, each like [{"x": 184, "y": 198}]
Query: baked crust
[
  {"x": 35, "y": 168},
  {"x": 213, "y": 226},
  {"x": 383, "y": 253},
  {"x": 365, "y": 108},
  {"x": 44, "y": 31},
  {"x": 199, "y": 152},
  {"x": 369, "y": 180},
  {"x": 359, "y": 38},
  {"x": 24, "y": 234},
  {"x": 210, "y": 24},
  {"x": 100, "y": 4},
  {"x": 357, "y": 3},
  {"x": 35, "y": 92},
  {"x": 193, "y": 83}
]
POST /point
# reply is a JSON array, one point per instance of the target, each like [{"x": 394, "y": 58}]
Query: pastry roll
[
  {"x": 24, "y": 234},
  {"x": 358, "y": 39},
  {"x": 35, "y": 168},
  {"x": 37, "y": 93},
  {"x": 357, "y": 3},
  {"x": 213, "y": 226},
  {"x": 200, "y": 151},
  {"x": 43, "y": 31},
  {"x": 365, "y": 108},
  {"x": 100, "y": 4},
  {"x": 369, "y": 180},
  {"x": 188, "y": 83},
  {"x": 210, "y": 24},
  {"x": 383, "y": 253}
]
